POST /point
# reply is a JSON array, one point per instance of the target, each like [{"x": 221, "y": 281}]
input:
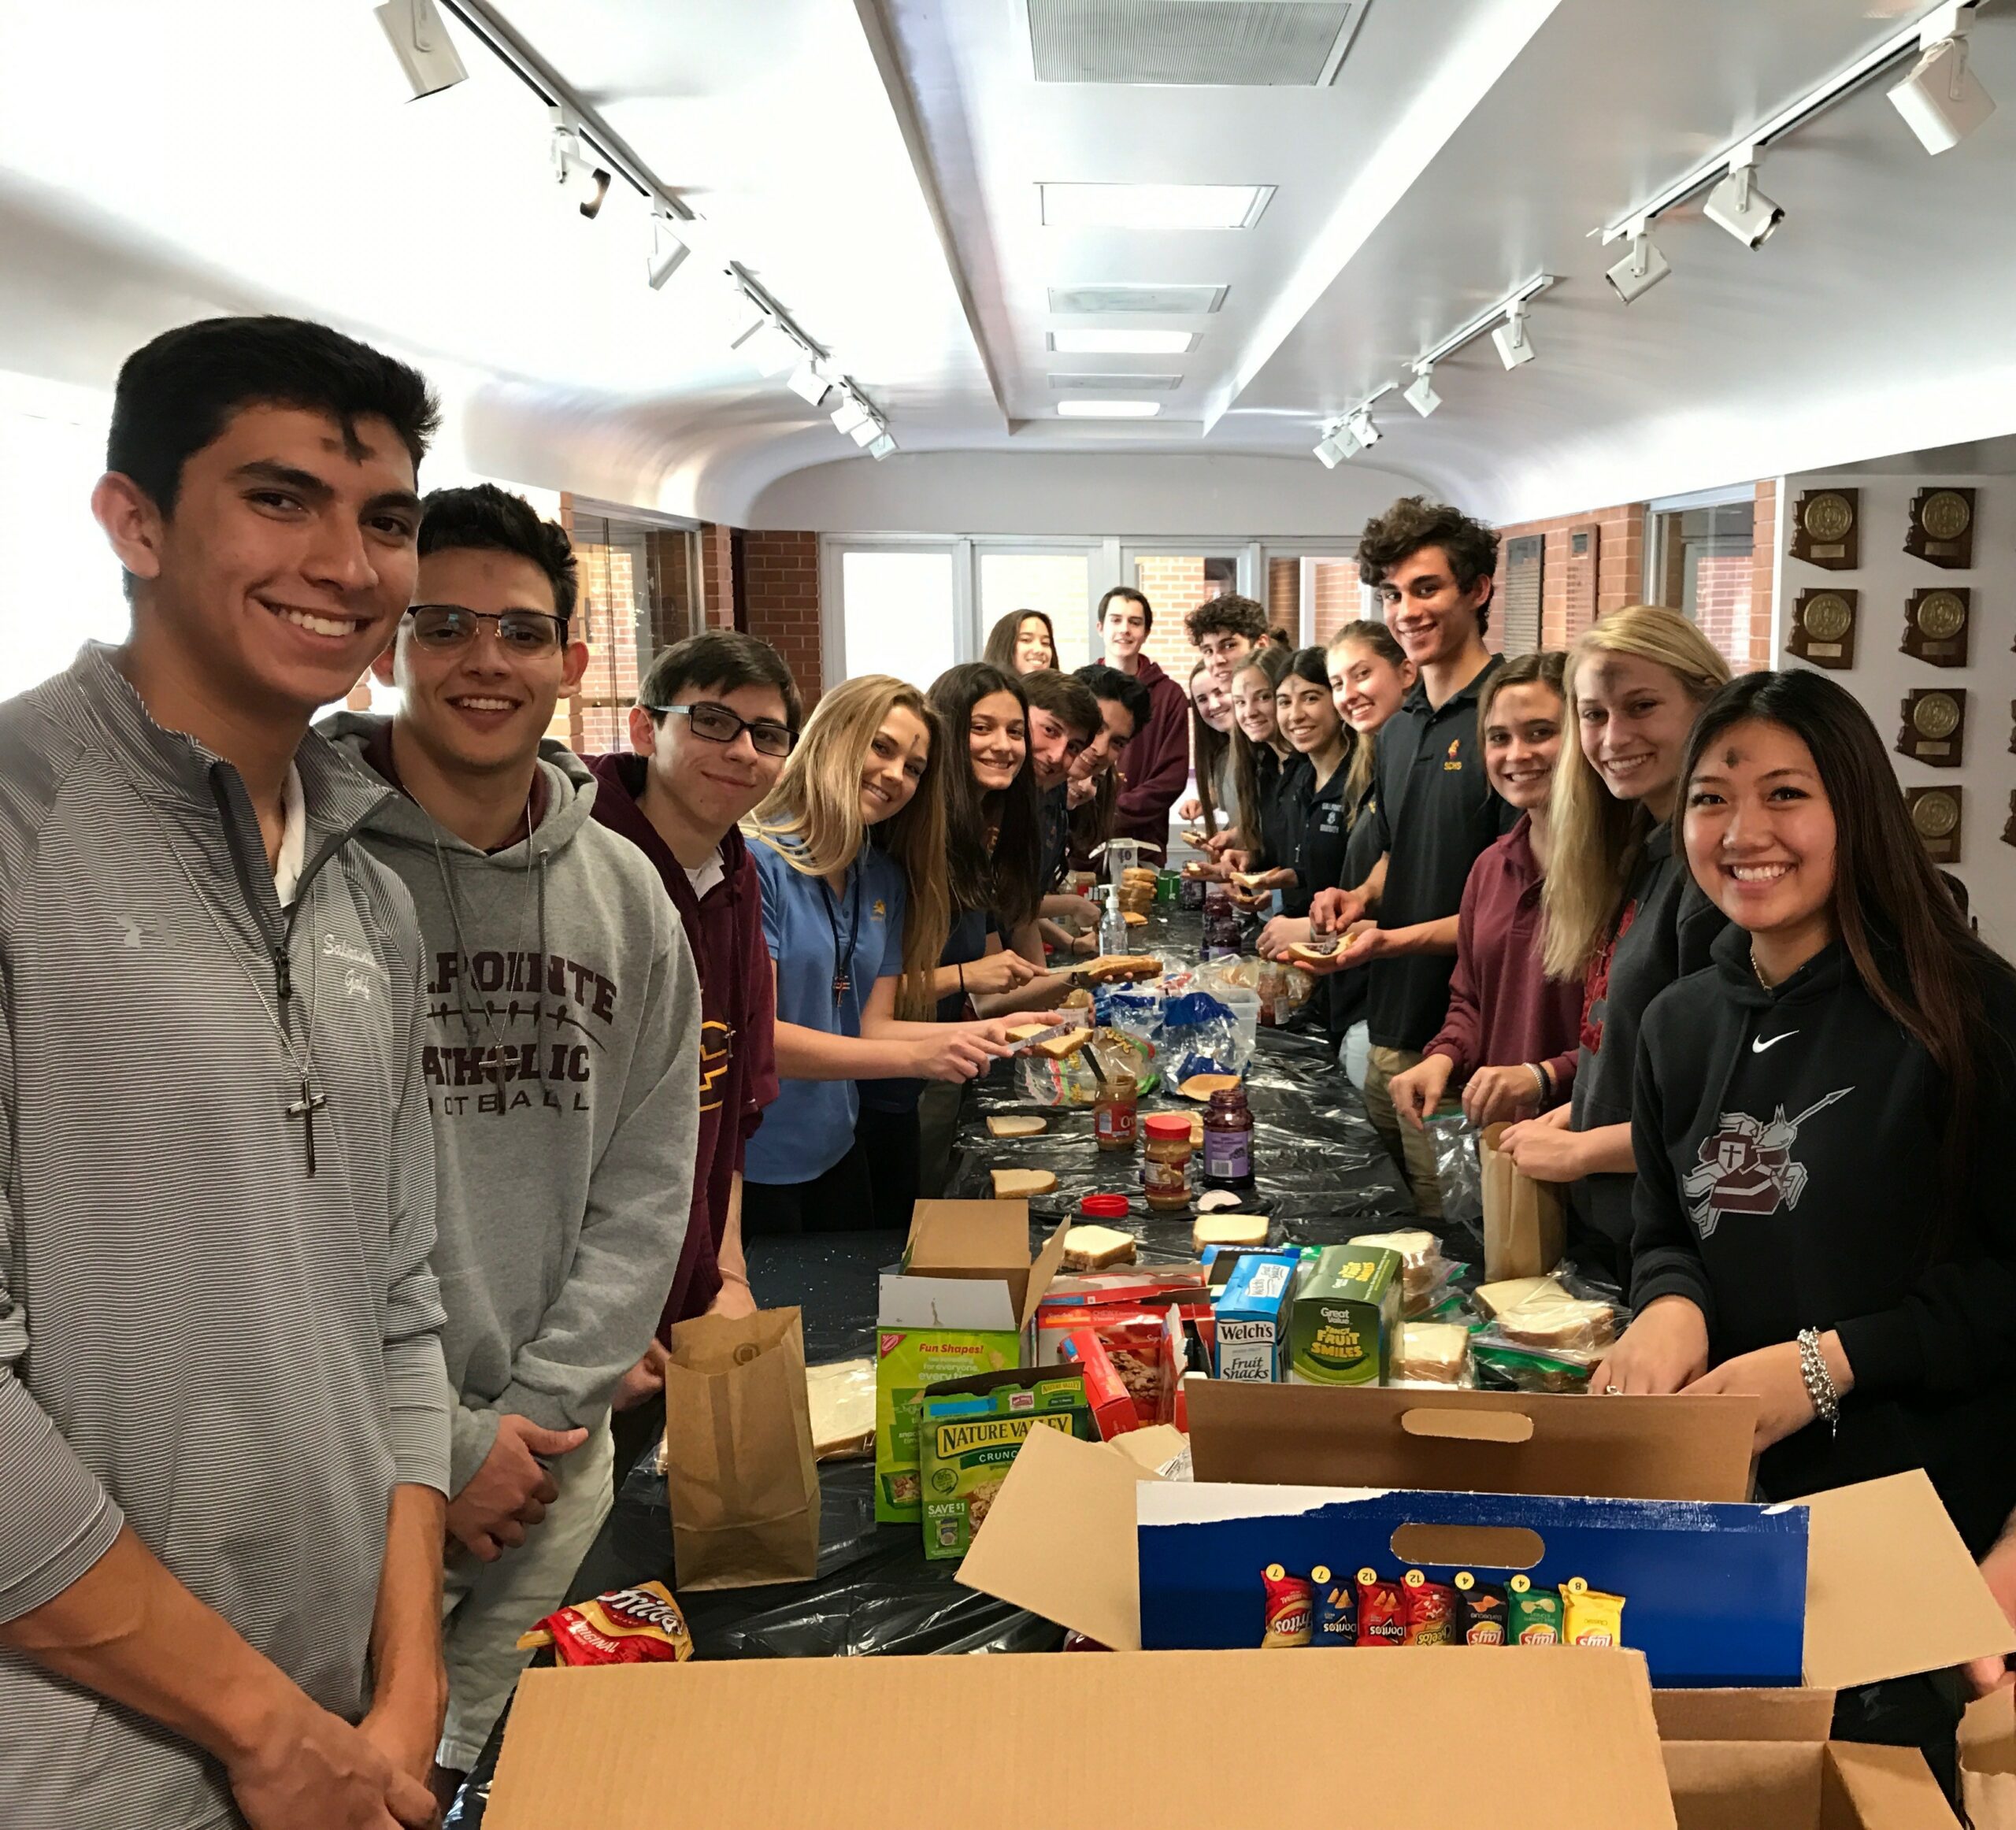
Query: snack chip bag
[
  {"x": 1381, "y": 1614},
  {"x": 1589, "y": 1617},
  {"x": 1430, "y": 1614},
  {"x": 1287, "y": 1608},
  {"x": 1336, "y": 1610},
  {"x": 1480, "y": 1614},
  {"x": 1535, "y": 1613},
  {"x": 627, "y": 1626}
]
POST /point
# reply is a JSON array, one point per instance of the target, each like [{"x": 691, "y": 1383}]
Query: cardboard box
[
  {"x": 1747, "y": 1760},
  {"x": 1988, "y": 1761},
  {"x": 958, "y": 1305},
  {"x": 1347, "y": 1311},
  {"x": 784, "y": 1744},
  {"x": 1111, "y": 1403},
  {"x": 1250, "y": 1316},
  {"x": 1063, "y": 1538}
]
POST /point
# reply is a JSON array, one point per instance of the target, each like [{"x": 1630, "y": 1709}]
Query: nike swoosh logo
[{"x": 1758, "y": 1044}]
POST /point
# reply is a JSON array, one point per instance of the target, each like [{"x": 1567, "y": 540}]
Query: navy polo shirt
[
  {"x": 809, "y": 1126},
  {"x": 1435, "y": 813},
  {"x": 1321, "y": 829}
]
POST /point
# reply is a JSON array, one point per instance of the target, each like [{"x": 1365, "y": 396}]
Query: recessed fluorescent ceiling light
[
  {"x": 1108, "y": 409},
  {"x": 1095, "y": 342},
  {"x": 1154, "y": 206}
]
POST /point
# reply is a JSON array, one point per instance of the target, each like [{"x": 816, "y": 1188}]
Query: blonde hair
[
  {"x": 1382, "y": 642},
  {"x": 812, "y": 817},
  {"x": 1598, "y": 839}
]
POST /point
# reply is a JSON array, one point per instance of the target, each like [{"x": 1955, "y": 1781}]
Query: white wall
[
  {"x": 1882, "y": 674},
  {"x": 989, "y": 492}
]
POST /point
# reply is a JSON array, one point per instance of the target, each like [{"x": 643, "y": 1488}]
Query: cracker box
[
  {"x": 958, "y": 1305},
  {"x": 1250, "y": 1316},
  {"x": 1346, "y": 1318},
  {"x": 969, "y": 1434}
]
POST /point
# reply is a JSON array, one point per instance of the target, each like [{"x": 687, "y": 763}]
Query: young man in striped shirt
[{"x": 223, "y": 1417}]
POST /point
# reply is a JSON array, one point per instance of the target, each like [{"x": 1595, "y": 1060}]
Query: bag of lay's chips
[
  {"x": 1589, "y": 1617},
  {"x": 1536, "y": 1613},
  {"x": 627, "y": 1626}
]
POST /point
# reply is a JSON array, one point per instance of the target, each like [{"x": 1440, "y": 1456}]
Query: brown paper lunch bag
[
  {"x": 739, "y": 1464},
  {"x": 1526, "y": 1225}
]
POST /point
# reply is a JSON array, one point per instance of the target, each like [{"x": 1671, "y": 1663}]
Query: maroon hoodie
[
  {"x": 737, "y": 1019},
  {"x": 1157, "y": 763}
]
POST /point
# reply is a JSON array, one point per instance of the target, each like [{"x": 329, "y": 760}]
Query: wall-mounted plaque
[
  {"x": 1934, "y": 726},
  {"x": 1935, "y": 624},
  {"x": 1824, "y": 528},
  {"x": 1823, "y": 629},
  {"x": 1936, "y": 815},
  {"x": 1942, "y": 527}
]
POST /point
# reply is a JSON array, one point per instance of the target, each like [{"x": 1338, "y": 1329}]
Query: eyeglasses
[
  {"x": 443, "y": 627},
  {"x": 719, "y": 725}
]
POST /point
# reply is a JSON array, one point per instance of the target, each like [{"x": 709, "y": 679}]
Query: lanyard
[{"x": 843, "y": 950}]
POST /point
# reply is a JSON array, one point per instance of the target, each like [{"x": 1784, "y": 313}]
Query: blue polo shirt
[{"x": 809, "y": 1126}]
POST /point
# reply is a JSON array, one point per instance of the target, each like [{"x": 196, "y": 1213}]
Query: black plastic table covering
[{"x": 1319, "y": 1173}]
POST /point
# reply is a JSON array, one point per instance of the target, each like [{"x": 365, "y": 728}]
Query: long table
[{"x": 1320, "y": 1173}]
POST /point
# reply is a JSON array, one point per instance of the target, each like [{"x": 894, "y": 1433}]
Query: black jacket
[{"x": 1789, "y": 1149}]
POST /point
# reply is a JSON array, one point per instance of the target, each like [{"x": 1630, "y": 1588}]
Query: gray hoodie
[{"x": 561, "y": 1201}]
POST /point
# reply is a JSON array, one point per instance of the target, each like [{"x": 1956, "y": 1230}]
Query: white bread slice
[
  {"x": 1229, "y": 1229},
  {"x": 1434, "y": 1352},
  {"x": 1015, "y": 1124},
  {"x": 1112, "y": 966},
  {"x": 1133, "y": 920},
  {"x": 1093, "y": 1248},
  {"x": 1202, "y": 1086},
  {"x": 1494, "y": 1299},
  {"x": 1019, "y": 1184}
]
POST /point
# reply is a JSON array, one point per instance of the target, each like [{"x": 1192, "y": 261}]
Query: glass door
[
  {"x": 1312, "y": 594},
  {"x": 1058, "y": 583},
  {"x": 901, "y": 610},
  {"x": 1176, "y": 576}
]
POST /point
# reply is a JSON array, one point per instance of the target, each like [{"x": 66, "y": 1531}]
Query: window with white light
[
  {"x": 899, "y": 615},
  {"x": 59, "y": 582}
]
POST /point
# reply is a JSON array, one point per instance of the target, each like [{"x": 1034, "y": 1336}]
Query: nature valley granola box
[
  {"x": 908, "y": 1360},
  {"x": 1347, "y": 1317},
  {"x": 968, "y": 1433}
]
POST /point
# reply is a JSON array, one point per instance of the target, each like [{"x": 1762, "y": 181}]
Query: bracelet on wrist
[
  {"x": 1540, "y": 1078},
  {"x": 1819, "y": 1382}
]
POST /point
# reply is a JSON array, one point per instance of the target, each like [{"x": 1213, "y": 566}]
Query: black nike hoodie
[{"x": 1788, "y": 1145}]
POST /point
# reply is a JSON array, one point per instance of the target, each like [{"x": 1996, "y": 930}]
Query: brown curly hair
[
  {"x": 1229, "y": 615},
  {"x": 1414, "y": 522}
]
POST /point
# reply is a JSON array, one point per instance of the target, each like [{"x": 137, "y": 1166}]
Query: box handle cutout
[
  {"x": 1469, "y": 1546},
  {"x": 1470, "y": 1426}
]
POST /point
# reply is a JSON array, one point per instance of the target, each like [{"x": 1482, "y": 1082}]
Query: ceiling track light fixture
[
  {"x": 1940, "y": 99},
  {"x": 1346, "y": 436},
  {"x": 589, "y": 156},
  {"x": 1514, "y": 346},
  {"x": 583, "y": 181},
  {"x": 1363, "y": 430},
  {"x": 1641, "y": 270},
  {"x": 868, "y": 431},
  {"x": 1737, "y": 205},
  {"x": 419, "y": 41},
  {"x": 809, "y": 384},
  {"x": 1497, "y": 320},
  {"x": 849, "y": 414},
  {"x": 1421, "y": 394},
  {"x": 882, "y": 447}
]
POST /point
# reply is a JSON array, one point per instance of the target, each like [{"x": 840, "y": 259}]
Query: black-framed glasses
[
  {"x": 448, "y": 626},
  {"x": 719, "y": 725}
]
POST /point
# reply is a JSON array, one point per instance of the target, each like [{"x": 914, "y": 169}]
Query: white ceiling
[{"x": 874, "y": 165}]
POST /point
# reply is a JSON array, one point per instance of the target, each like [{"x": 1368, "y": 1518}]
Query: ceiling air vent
[
  {"x": 1214, "y": 44},
  {"x": 1117, "y": 383},
  {"x": 1170, "y": 300}
]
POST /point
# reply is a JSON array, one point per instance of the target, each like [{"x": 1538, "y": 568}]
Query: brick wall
[
  {"x": 1174, "y": 585},
  {"x": 1763, "y": 551},
  {"x": 717, "y": 577},
  {"x": 780, "y": 584}
]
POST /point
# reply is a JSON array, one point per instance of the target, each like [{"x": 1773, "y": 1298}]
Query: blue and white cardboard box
[{"x": 1715, "y": 1594}]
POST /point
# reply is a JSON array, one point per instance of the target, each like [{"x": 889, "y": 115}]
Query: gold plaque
[
  {"x": 1827, "y": 516},
  {"x": 1826, "y": 616},
  {"x": 1936, "y": 715},
  {"x": 1824, "y": 531},
  {"x": 1946, "y": 514},
  {"x": 1935, "y": 624},
  {"x": 1942, "y": 527},
  {"x": 1823, "y": 628},
  {"x": 1935, "y": 815},
  {"x": 1934, "y": 722},
  {"x": 1941, "y": 614}
]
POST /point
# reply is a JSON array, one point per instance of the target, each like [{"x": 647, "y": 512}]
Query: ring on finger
[{"x": 1612, "y": 1390}]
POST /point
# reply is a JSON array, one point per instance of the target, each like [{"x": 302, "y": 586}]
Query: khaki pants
[
  {"x": 1410, "y": 1149},
  {"x": 485, "y": 1606}
]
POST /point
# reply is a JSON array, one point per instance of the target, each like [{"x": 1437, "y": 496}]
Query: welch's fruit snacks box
[{"x": 1250, "y": 1315}]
